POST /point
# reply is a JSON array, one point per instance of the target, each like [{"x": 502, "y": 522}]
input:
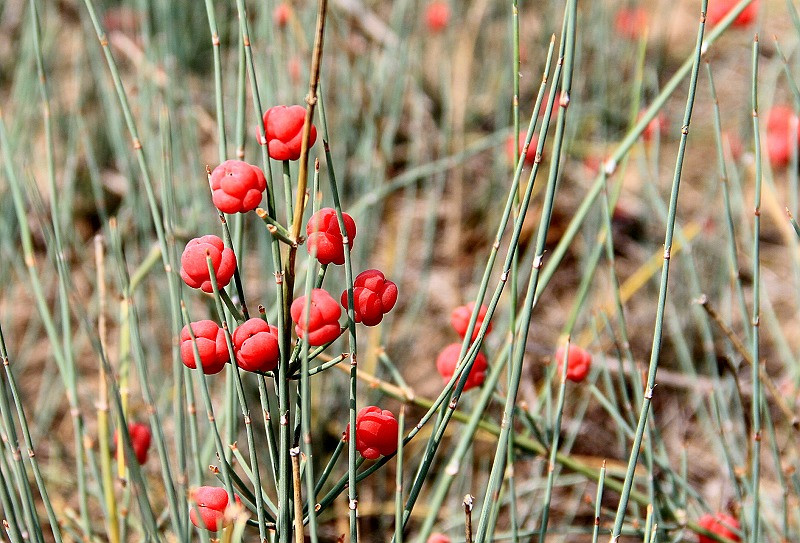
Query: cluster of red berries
[
  {"x": 579, "y": 362},
  {"x": 140, "y": 441},
  {"x": 447, "y": 361},
  {"x": 721, "y": 524}
]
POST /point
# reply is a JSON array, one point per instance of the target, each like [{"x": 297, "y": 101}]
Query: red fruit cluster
[
  {"x": 721, "y": 524},
  {"x": 459, "y": 319},
  {"x": 236, "y": 186},
  {"x": 376, "y": 432},
  {"x": 321, "y": 325},
  {"x": 447, "y": 362},
  {"x": 210, "y": 345},
  {"x": 579, "y": 362},
  {"x": 630, "y": 23},
  {"x": 373, "y": 297},
  {"x": 781, "y": 140},
  {"x": 211, "y": 502},
  {"x": 324, "y": 234},
  {"x": 283, "y": 129},
  {"x": 194, "y": 268},
  {"x": 256, "y": 346},
  {"x": 437, "y": 15},
  {"x": 718, "y": 9},
  {"x": 140, "y": 440},
  {"x": 530, "y": 155},
  {"x": 281, "y": 14}
]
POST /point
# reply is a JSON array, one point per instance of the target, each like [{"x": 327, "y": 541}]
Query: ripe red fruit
[
  {"x": 438, "y": 538},
  {"x": 447, "y": 362},
  {"x": 281, "y": 14},
  {"x": 283, "y": 128},
  {"x": 323, "y": 233},
  {"x": 530, "y": 156},
  {"x": 437, "y": 15},
  {"x": 211, "y": 503},
  {"x": 579, "y": 362},
  {"x": 256, "y": 345},
  {"x": 194, "y": 269},
  {"x": 373, "y": 297},
  {"x": 658, "y": 125},
  {"x": 322, "y": 322},
  {"x": 237, "y": 186},
  {"x": 210, "y": 345},
  {"x": 140, "y": 440},
  {"x": 376, "y": 432},
  {"x": 631, "y": 23},
  {"x": 780, "y": 129},
  {"x": 459, "y": 319},
  {"x": 720, "y": 8},
  {"x": 721, "y": 524}
]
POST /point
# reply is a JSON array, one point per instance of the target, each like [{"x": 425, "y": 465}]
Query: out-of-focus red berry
[
  {"x": 373, "y": 297},
  {"x": 630, "y": 23},
  {"x": 322, "y": 324},
  {"x": 140, "y": 440},
  {"x": 718, "y": 9},
  {"x": 438, "y": 538},
  {"x": 579, "y": 362},
  {"x": 194, "y": 268},
  {"x": 657, "y": 126},
  {"x": 212, "y": 501},
  {"x": 237, "y": 186},
  {"x": 437, "y": 15},
  {"x": 324, "y": 234},
  {"x": 780, "y": 131},
  {"x": 459, "y": 319},
  {"x": 256, "y": 345},
  {"x": 210, "y": 345},
  {"x": 721, "y": 524},
  {"x": 283, "y": 129},
  {"x": 376, "y": 432},
  {"x": 281, "y": 14},
  {"x": 530, "y": 155},
  {"x": 447, "y": 361}
]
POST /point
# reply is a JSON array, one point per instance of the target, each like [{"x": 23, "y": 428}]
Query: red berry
[
  {"x": 459, "y": 319},
  {"x": 323, "y": 233},
  {"x": 630, "y": 23},
  {"x": 437, "y": 15},
  {"x": 447, "y": 362},
  {"x": 376, "y": 432},
  {"x": 579, "y": 362},
  {"x": 194, "y": 268},
  {"x": 720, "y": 8},
  {"x": 322, "y": 324},
  {"x": 281, "y": 14},
  {"x": 283, "y": 128},
  {"x": 210, "y": 345},
  {"x": 256, "y": 345},
  {"x": 721, "y": 524},
  {"x": 373, "y": 297},
  {"x": 530, "y": 156},
  {"x": 780, "y": 128},
  {"x": 658, "y": 125},
  {"x": 237, "y": 186},
  {"x": 140, "y": 439},
  {"x": 211, "y": 503},
  {"x": 438, "y": 538}
]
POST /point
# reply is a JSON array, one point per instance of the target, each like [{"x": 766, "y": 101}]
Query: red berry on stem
[
  {"x": 780, "y": 131},
  {"x": 376, "y": 432},
  {"x": 140, "y": 440},
  {"x": 322, "y": 322},
  {"x": 236, "y": 186},
  {"x": 281, "y": 14},
  {"x": 256, "y": 345},
  {"x": 324, "y": 234},
  {"x": 721, "y": 524},
  {"x": 630, "y": 23},
  {"x": 530, "y": 155},
  {"x": 438, "y": 538},
  {"x": 194, "y": 268},
  {"x": 437, "y": 15},
  {"x": 579, "y": 362},
  {"x": 459, "y": 319},
  {"x": 283, "y": 128},
  {"x": 719, "y": 9},
  {"x": 211, "y": 503},
  {"x": 373, "y": 297},
  {"x": 447, "y": 361},
  {"x": 210, "y": 345}
]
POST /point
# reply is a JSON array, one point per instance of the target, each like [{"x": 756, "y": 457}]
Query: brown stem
[
  {"x": 469, "y": 499},
  {"x": 299, "y": 537}
]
